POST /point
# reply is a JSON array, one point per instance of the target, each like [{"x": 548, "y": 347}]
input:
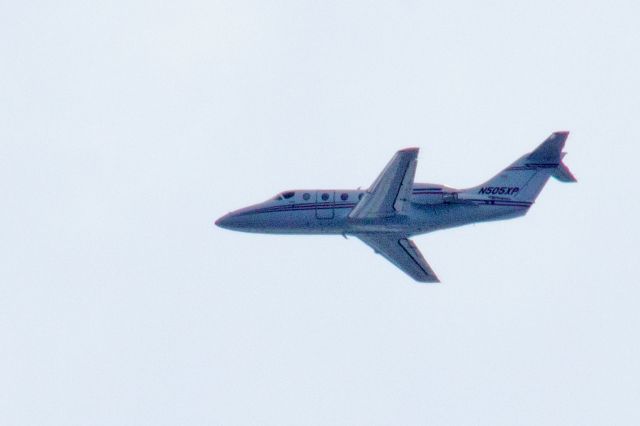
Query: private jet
[{"x": 394, "y": 208}]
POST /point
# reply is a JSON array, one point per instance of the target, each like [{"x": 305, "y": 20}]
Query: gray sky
[{"x": 126, "y": 128}]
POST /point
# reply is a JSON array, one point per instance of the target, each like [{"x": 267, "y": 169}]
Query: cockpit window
[{"x": 284, "y": 195}]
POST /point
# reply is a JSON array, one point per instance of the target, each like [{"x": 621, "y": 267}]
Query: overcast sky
[{"x": 127, "y": 128}]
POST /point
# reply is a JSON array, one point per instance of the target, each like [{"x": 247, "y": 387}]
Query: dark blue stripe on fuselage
[
  {"x": 305, "y": 206},
  {"x": 500, "y": 202},
  {"x": 322, "y": 206}
]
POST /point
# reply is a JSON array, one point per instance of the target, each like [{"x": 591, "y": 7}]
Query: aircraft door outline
[{"x": 325, "y": 201}]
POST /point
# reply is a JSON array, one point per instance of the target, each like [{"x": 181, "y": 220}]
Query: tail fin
[{"x": 524, "y": 179}]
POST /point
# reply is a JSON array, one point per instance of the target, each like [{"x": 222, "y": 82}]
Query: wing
[
  {"x": 403, "y": 253},
  {"x": 391, "y": 190}
]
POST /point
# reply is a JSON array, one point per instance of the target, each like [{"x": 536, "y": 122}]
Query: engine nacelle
[{"x": 434, "y": 194}]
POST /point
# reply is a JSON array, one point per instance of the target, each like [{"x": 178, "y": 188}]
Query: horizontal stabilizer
[{"x": 563, "y": 174}]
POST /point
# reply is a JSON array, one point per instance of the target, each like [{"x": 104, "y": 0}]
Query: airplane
[{"x": 394, "y": 208}]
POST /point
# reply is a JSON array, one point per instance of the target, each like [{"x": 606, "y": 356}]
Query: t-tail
[{"x": 524, "y": 179}]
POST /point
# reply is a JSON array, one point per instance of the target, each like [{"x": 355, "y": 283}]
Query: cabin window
[
  {"x": 325, "y": 196},
  {"x": 360, "y": 196},
  {"x": 344, "y": 196},
  {"x": 306, "y": 196}
]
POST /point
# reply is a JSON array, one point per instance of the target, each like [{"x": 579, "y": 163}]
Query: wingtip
[{"x": 428, "y": 278}]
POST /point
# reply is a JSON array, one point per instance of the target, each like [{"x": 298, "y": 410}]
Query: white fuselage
[{"x": 432, "y": 207}]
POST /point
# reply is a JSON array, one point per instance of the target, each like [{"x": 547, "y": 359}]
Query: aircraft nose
[
  {"x": 236, "y": 221},
  {"x": 224, "y": 221},
  {"x": 240, "y": 220}
]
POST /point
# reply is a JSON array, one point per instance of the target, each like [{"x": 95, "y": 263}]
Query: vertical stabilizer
[{"x": 524, "y": 179}]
